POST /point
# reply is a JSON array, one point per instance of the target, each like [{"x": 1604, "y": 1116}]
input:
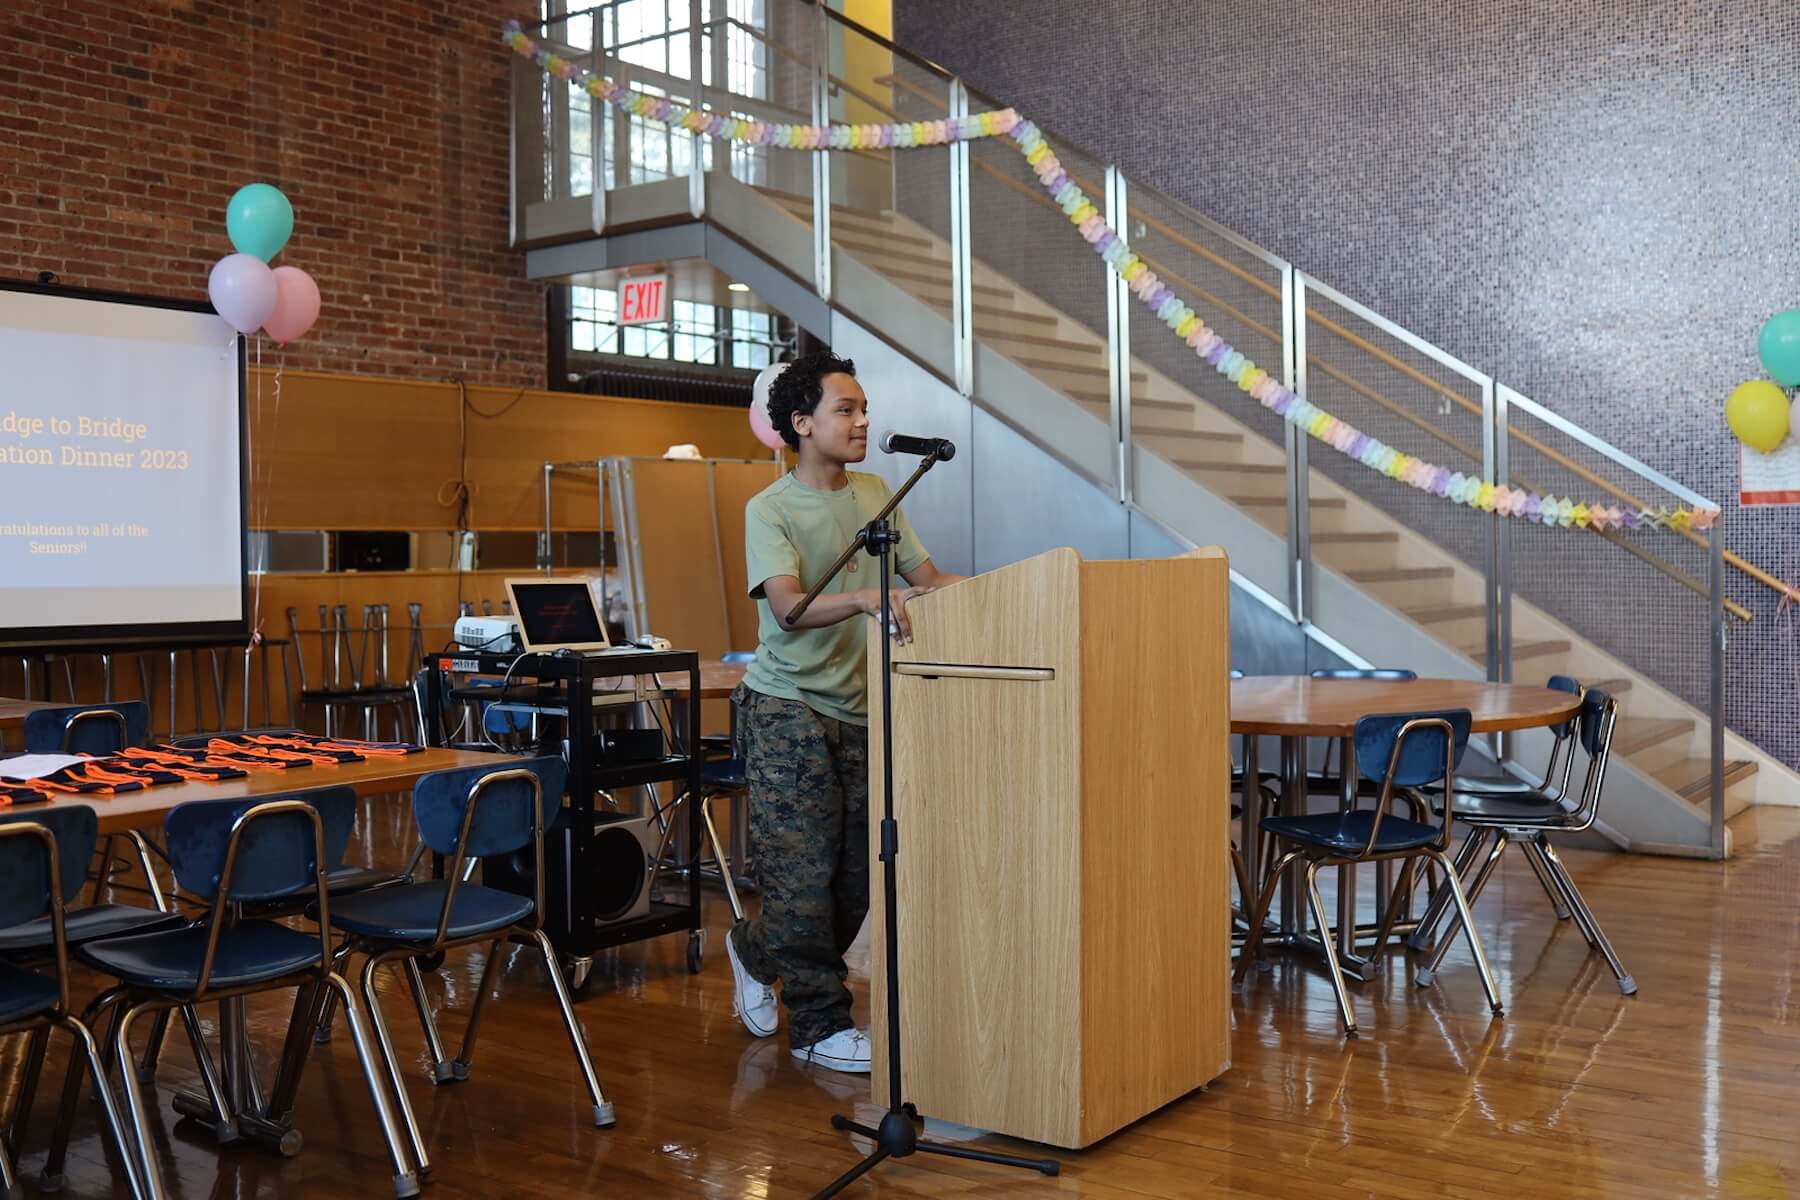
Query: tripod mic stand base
[{"x": 896, "y": 1138}]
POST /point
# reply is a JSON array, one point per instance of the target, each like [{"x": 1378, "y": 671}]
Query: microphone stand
[{"x": 895, "y": 1137}]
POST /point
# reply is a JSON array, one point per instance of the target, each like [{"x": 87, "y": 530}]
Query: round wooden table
[
  {"x": 1296, "y": 707},
  {"x": 1300, "y": 706}
]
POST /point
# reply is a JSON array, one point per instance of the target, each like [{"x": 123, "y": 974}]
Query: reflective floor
[{"x": 1690, "y": 1088}]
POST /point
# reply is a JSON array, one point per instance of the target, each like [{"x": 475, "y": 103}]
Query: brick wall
[{"x": 128, "y": 126}]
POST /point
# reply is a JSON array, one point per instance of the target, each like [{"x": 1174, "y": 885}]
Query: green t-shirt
[{"x": 792, "y": 529}]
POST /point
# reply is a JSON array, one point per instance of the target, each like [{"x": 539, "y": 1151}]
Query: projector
[{"x": 497, "y": 634}]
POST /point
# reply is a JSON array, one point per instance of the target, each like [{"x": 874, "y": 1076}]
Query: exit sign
[{"x": 643, "y": 300}]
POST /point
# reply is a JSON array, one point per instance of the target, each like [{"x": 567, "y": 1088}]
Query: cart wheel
[
  {"x": 429, "y": 962},
  {"x": 696, "y": 951},
  {"x": 578, "y": 973}
]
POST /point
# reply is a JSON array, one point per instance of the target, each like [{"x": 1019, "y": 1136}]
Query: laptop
[{"x": 557, "y": 614}]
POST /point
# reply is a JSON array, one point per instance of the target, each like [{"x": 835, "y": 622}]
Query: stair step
[
  {"x": 1052, "y": 343},
  {"x": 1363, "y": 537},
  {"x": 939, "y": 283},
  {"x": 1138, "y": 403},
  {"x": 1218, "y": 437},
  {"x": 1612, "y": 687},
  {"x": 1641, "y": 733},
  {"x": 1402, "y": 574},
  {"x": 1522, "y": 650},
  {"x": 1242, "y": 468},
  {"x": 1691, "y": 778},
  {"x": 1329, "y": 502},
  {"x": 1440, "y": 613},
  {"x": 1075, "y": 369},
  {"x": 876, "y": 252}
]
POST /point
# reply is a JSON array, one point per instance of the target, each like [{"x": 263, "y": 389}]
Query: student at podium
[{"x": 803, "y": 714}]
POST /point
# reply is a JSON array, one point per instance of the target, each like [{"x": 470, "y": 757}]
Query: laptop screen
[{"x": 557, "y": 612}]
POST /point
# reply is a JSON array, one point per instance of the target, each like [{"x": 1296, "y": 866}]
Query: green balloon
[
  {"x": 1779, "y": 346},
  {"x": 260, "y": 220}
]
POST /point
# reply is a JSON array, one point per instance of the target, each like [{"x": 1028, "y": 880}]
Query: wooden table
[
  {"x": 717, "y": 680},
  {"x": 372, "y": 776},
  {"x": 13, "y": 712},
  {"x": 1296, "y": 707}
]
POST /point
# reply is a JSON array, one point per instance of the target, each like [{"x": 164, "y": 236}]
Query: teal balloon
[
  {"x": 260, "y": 220},
  {"x": 1779, "y": 346}
]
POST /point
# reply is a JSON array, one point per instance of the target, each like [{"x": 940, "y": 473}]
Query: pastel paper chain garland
[{"x": 1469, "y": 490}]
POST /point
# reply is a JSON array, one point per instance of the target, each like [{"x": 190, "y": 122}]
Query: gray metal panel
[
  {"x": 1027, "y": 503},
  {"x": 618, "y": 250},
  {"x": 906, "y": 398}
]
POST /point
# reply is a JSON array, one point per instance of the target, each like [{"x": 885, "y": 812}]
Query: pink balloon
[
  {"x": 242, "y": 289},
  {"x": 296, "y": 305},
  {"x": 759, "y": 407}
]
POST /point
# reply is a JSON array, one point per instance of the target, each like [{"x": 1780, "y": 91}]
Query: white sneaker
[
  {"x": 752, "y": 1000},
  {"x": 846, "y": 1050}
]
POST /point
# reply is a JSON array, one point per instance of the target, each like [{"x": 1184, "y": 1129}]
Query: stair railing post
[
  {"x": 821, "y": 160},
  {"x": 1716, "y": 615},
  {"x": 597, "y": 151},
  {"x": 1118, "y": 341},
  {"x": 1299, "y": 514},
  {"x": 962, "y": 259},
  {"x": 697, "y": 142}
]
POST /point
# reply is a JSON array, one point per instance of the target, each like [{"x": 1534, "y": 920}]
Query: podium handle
[{"x": 959, "y": 671}]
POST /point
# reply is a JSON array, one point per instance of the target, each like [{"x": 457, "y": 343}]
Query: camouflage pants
[{"x": 809, "y": 837}]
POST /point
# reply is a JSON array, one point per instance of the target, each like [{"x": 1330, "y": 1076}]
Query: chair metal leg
[
  {"x": 294, "y": 1049},
  {"x": 146, "y": 1168},
  {"x": 1585, "y": 916},
  {"x": 389, "y": 1061},
  {"x": 1534, "y": 856},
  {"x": 603, "y": 1109},
  {"x": 1402, "y": 891},
  {"x": 1468, "y": 924},
  {"x": 212, "y": 1106},
  {"x": 720, "y": 857},
  {"x": 442, "y": 1071},
  {"x": 465, "y": 1056},
  {"x": 406, "y": 1183},
  {"x": 1439, "y": 903},
  {"x": 88, "y": 1054},
  {"x": 1435, "y": 956},
  {"x": 159, "y": 1033},
  {"x": 1242, "y": 874},
  {"x": 149, "y": 868},
  {"x": 9, "y": 1180},
  {"x": 102, "y": 876},
  {"x": 1326, "y": 942},
  {"x": 34, "y": 1066},
  {"x": 50, "y": 1178},
  {"x": 1253, "y": 939}
]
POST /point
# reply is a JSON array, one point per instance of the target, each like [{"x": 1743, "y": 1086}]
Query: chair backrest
[
  {"x": 276, "y": 854},
  {"x": 1365, "y": 673},
  {"x": 1599, "y": 713},
  {"x": 1411, "y": 749},
  {"x": 75, "y": 827},
  {"x": 88, "y": 728},
  {"x": 738, "y": 658},
  {"x": 466, "y": 813}
]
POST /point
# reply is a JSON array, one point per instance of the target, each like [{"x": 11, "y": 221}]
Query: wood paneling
[
  {"x": 987, "y": 797},
  {"x": 356, "y": 452},
  {"x": 1156, "y": 821},
  {"x": 1063, "y": 811}
]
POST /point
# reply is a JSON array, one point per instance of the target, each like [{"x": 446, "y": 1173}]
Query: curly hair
[{"x": 798, "y": 390}]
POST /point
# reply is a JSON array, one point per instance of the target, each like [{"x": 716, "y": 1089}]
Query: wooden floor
[{"x": 1689, "y": 1089}]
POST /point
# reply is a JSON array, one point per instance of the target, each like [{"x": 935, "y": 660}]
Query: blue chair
[
  {"x": 1410, "y": 751},
  {"x": 35, "y": 942},
  {"x": 33, "y": 886},
  {"x": 233, "y": 853},
  {"x": 99, "y": 730},
  {"x": 463, "y": 814},
  {"x": 1527, "y": 818}
]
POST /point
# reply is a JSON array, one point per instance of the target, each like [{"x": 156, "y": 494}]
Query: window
[{"x": 707, "y": 334}]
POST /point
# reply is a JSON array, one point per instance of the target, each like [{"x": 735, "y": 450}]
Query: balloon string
[{"x": 256, "y": 583}]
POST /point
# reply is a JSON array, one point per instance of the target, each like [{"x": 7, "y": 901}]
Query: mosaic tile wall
[{"x": 1596, "y": 202}]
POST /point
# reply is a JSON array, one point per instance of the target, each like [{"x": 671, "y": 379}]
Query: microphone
[{"x": 900, "y": 443}]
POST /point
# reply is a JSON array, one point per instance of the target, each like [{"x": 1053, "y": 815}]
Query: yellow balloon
[{"x": 1758, "y": 413}]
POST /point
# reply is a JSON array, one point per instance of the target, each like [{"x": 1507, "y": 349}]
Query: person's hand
[{"x": 901, "y": 630}]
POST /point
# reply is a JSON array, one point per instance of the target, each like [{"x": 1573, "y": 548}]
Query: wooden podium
[{"x": 1062, "y": 790}]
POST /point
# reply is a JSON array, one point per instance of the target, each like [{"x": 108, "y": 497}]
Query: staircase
[{"x": 1660, "y": 736}]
